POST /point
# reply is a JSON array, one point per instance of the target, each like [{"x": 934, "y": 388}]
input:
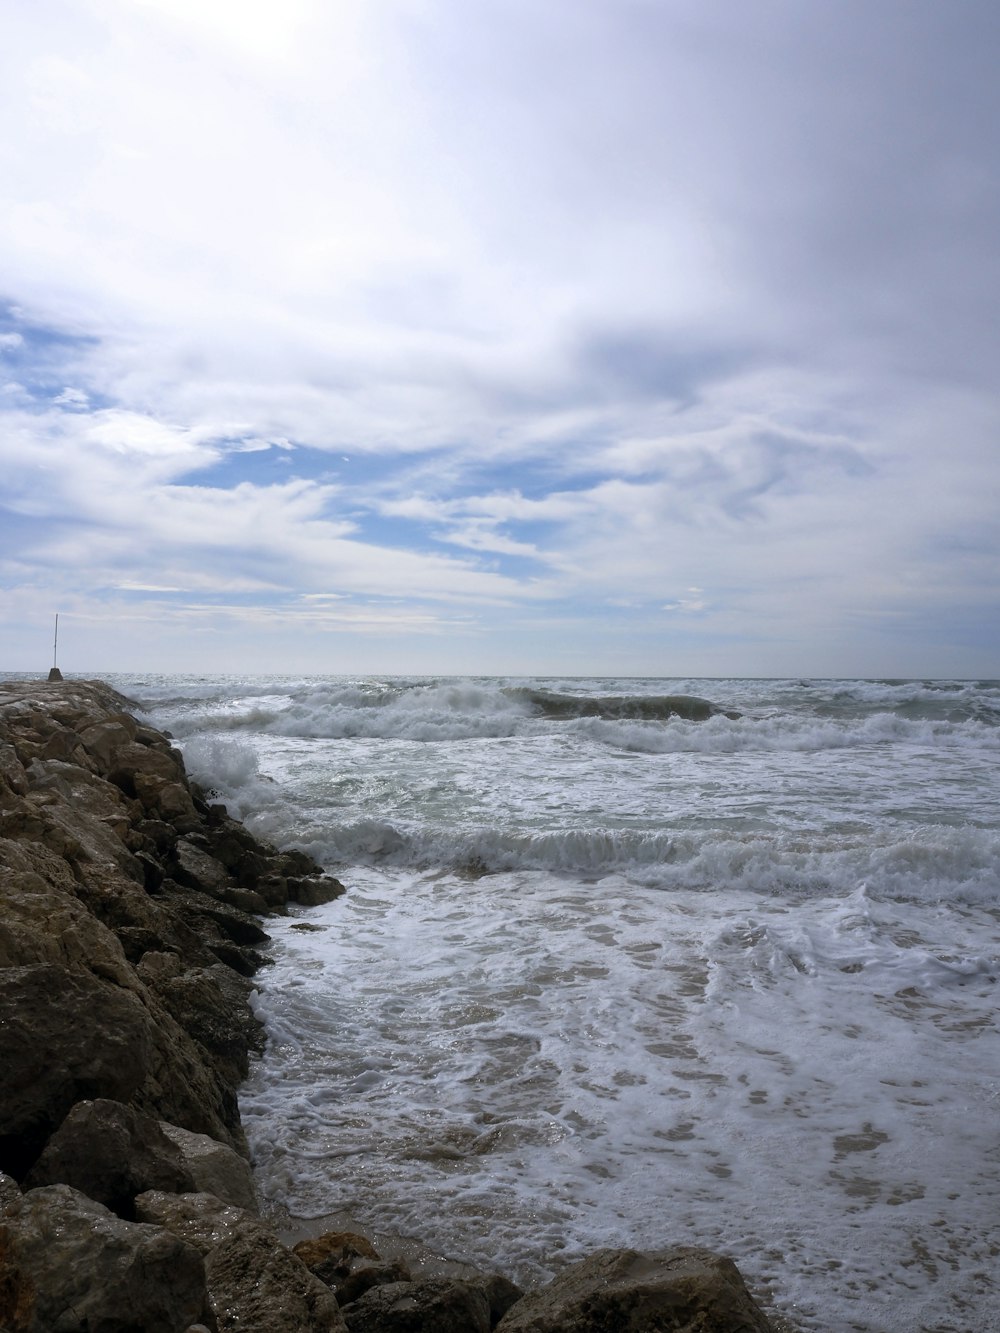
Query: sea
[{"x": 633, "y": 962}]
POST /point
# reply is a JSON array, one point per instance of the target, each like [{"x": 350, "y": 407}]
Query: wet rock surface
[
  {"x": 130, "y": 929},
  {"x": 615, "y": 1291}
]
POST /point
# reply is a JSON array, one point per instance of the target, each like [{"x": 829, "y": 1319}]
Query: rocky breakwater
[{"x": 130, "y": 928}]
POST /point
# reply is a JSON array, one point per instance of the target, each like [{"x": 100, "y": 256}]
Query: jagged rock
[
  {"x": 63, "y": 1036},
  {"x": 10, "y": 1192},
  {"x": 105, "y": 740},
  {"x": 12, "y": 772},
  {"x": 315, "y": 891},
  {"x": 255, "y": 1284},
  {"x": 500, "y": 1292},
  {"x": 367, "y": 1273},
  {"x": 211, "y": 1005},
  {"x": 329, "y": 1255},
  {"x": 156, "y": 968},
  {"x": 197, "y": 869},
  {"x": 686, "y": 1289},
  {"x": 164, "y": 800},
  {"x": 214, "y": 1168},
  {"x": 349, "y": 1264},
  {"x": 239, "y": 927},
  {"x": 117, "y": 982},
  {"x": 69, "y": 1265},
  {"x": 247, "y": 900},
  {"x": 430, "y": 1305},
  {"x": 111, "y": 1153},
  {"x": 43, "y": 922}
]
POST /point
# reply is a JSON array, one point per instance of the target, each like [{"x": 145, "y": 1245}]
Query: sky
[{"x": 568, "y": 337}]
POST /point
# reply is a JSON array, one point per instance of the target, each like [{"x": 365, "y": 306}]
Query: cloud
[{"x": 618, "y": 304}]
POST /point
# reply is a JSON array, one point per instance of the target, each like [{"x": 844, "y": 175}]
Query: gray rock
[
  {"x": 104, "y": 740},
  {"x": 255, "y": 1284},
  {"x": 111, "y": 1153},
  {"x": 68, "y": 1265},
  {"x": 331, "y": 1254},
  {"x": 196, "y": 869},
  {"x": 349, "y": 1264},
  {"x": 214, "y": 1168},
  {"x": 363, "y": 1274},
  {"x": 230, "y": 922},
  {"x": 10, "y": 1192},
  {"x": 430, "y": 1305},
  {"x": 315, "y": 891},
  {"x": 500, "y": 1292},
  {"x": 211, "y": 1004},
  {"x": 64, "y": 1036},
  {"x": 687, "y": 1290}
]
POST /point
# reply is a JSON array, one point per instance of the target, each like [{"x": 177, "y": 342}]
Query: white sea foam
[
  {"x": 555, "y": 1067},
  {"x": 608, "y": 975}
]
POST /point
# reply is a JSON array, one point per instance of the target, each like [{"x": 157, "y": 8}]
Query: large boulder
[
  {"x": 214, "y": 1168},
  {"x": 349, "y": 1264},
  {"x": 211, "y": 1005},
  {"x": 68, "y": 1265},
  {"x": 64, "y": 1036},
  {"x": 43, "y": 921},
  {"x": 10, "y": 1192},
  {"x": 255, "y": 1284},
  {"x": 430, "y": 1305},
  {"x": 111, "y": 1153},
  {"x": 685, "y": 1290}
]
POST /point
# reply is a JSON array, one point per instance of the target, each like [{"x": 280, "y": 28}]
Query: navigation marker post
[{"x": 55, "y": 673}]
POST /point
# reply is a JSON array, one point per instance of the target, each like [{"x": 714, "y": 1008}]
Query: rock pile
[{"x": 130, "y": 926}]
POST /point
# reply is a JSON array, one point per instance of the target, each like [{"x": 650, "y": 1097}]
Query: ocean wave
[
  {"x": 650, "y": 723},
  {"x": 646, "y": 707},
  {"x": 728, "y": 734},
  {"x": 947, "y": 864}
]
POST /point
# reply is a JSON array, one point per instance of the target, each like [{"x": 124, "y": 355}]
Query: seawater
[{"x": 610, "y": 971}]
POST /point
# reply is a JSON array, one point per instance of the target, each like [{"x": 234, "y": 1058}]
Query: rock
[
  {"x": 500, "y": 1292},
  {"x": 349, "y": 1264},
  {"x": 69, "y": 1265},
  {"x": 111, "y": 1153},
  {"x": 686, "y": 1289},
  {"x": 230, "y": 922},
  {"x": 364, "y": 1274},
  {"x": 247, "y": 900},
  {"x": 329, "y": 1255},
  {"x": 105, "y": 739},
  {"x": 255, "y": 1284},
  {"x": 10, "y": 1192},
  {"x": 214, "y": 1168},
  {"x": 430, "y": 1305},
  {"x": 63, "y": 1036},
  {"x": 128, "y": 933},
  {"x": 197, "y": 869},
  {"x": 43, "y": 922},
  {"x": 315, "y": 891},
  {"x": 211, "y": 1004}
]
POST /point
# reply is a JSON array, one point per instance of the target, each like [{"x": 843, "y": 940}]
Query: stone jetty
[{"x": 132, "y": 921}]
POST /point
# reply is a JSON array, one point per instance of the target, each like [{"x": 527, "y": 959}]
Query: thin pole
[{"x": 55, "y": 641}]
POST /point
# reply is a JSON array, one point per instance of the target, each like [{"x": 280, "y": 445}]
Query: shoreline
[{"x": 134, "y": 915}]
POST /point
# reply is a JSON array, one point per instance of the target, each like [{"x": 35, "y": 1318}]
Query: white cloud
[{"x": 603, "y": 303}]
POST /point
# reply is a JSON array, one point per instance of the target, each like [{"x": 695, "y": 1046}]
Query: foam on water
[
  {"x": 522, "y": 1068},
  {"x": 607, "y": 974}
]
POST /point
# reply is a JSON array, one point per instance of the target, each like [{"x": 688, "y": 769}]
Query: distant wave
[{"x": 644, "y": 707}]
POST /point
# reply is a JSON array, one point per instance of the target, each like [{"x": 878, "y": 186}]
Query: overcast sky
[{"x": 470, "y": 336}]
